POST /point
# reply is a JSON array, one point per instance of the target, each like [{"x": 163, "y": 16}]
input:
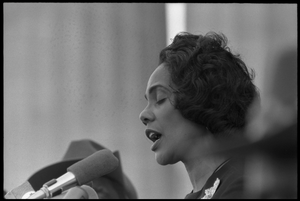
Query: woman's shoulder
[
  {"x": 232, "y": 178},
  {"x": 226, "y": 182}
]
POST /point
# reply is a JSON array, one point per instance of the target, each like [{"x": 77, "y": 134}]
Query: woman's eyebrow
[{"x": 153, "y": 88}]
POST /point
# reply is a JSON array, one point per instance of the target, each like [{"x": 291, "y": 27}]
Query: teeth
[{"x": 154, "y": 136}]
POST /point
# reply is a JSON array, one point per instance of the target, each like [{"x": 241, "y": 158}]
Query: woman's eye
[{"x": 160, "y": 101}]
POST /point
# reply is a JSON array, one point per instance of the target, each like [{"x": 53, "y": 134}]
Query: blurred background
[{"x": 79, "y": 70}]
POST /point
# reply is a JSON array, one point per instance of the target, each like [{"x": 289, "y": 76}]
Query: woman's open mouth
[{"x": 153, "y": 135}]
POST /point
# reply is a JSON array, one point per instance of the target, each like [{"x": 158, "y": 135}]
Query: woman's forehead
[{"x": 159, "y": 76}]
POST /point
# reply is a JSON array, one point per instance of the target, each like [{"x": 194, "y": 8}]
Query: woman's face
[{"x": 173, "y": 135}]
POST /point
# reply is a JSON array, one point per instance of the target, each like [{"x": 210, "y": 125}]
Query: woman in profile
[{"x": 198, "y": 97}]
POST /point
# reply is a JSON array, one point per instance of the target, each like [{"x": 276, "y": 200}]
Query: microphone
[
  {"x": 96, "y": 165},
  {"x": 81, "y": 192}
]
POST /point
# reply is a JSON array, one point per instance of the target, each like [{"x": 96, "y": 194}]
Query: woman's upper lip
[{"x": 148, "y": 131}]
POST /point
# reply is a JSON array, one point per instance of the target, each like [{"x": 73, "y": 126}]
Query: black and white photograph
[{"x": 141, "y": 100}]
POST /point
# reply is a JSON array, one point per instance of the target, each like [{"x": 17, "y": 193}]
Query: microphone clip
[{"x": 48, "y": 193}]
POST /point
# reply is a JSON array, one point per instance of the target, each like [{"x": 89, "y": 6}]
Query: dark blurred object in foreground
[
  {"x": 269, "y": 142},
  {"x": 272, "y": 164}
]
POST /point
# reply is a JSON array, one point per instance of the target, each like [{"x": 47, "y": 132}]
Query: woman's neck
[
  {"x": 201, "y": 160},
  {"x": 199, "y": 170}
]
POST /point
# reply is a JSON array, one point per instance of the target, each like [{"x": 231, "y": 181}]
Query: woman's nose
[{"x": 146, "y": 116}]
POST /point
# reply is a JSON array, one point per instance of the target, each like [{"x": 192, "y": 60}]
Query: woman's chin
[
  {"x": 163, "y": 159},
  {"x": 160, "y": 159}
]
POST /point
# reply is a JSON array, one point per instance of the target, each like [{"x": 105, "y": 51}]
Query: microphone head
[{"x": 94, "y": 166}]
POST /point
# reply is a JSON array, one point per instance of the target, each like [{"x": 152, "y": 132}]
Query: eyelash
[{"x": 161, "y": 101}]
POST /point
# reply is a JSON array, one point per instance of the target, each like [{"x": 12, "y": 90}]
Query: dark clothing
[{"x": 231, "y": 186}]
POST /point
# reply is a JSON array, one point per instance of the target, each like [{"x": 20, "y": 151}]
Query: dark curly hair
[{"x": 213, "y": 86}]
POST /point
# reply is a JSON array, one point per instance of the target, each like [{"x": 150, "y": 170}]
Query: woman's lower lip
[{"x": 155, "y": 145}]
